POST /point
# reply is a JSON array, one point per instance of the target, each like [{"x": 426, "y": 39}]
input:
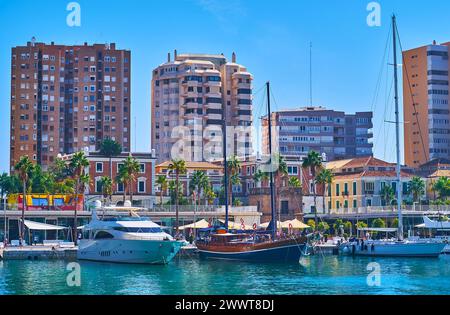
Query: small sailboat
[
  {"x": 254, "y": 247},
  {"x": 126, "y": 239},
  {"x": 396, "y": 247}
]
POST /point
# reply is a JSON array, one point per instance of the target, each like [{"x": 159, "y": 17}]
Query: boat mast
[
  {"x": 225, "y": 165},
  {"x": 272, "y": 193},
  {"x": 397, "y": 132}
]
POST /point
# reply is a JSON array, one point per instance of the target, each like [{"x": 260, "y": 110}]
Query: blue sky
[{"x": 271, "y": 38}]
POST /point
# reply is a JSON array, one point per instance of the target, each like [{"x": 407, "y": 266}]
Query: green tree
[
  {"x": 24, "y": 168},
  {"x": 416, "y": 187},
  {"x": 106, "y": 185},
  {"x": 311, "y": 223},
  {"x": 4, "y": 186},
  {"x": 442, "y": 187},
  {"x": 394, "y": 223},
  {"x": 325, "y": 178},
  {"x": 260, "y": 176},
  {"x": 210, "y": 195},
  {"x": 161, "y": 182},
  {"x": 294, "y": 182},
  {"x": 233, "y": 167},
  {"x": 313, "y": 161},
  {"x": 323, "y": 226},
  {"x": 110, "y": 148},
  {"x": 178, "y": 166},
  {"x": 78, "y": 165},
  {"x": 378, "y": 223},
  {"x": 387, "y": 194},
  {"x": 199, "y": 183},
  {"x": 129, "y": 171}
]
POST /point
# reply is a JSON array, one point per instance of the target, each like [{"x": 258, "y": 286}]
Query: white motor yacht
[{"x": 126, "y": 239}]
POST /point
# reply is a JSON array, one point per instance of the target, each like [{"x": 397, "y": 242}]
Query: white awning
[{"x": 42, "y": 226}]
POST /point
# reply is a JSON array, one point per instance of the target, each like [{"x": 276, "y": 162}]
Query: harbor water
[{"x": 313, "y": 275}]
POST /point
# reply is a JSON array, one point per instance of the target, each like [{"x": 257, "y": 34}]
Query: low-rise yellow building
[{"x": 358, "y": 183}]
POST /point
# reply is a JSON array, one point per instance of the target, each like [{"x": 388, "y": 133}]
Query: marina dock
[{"x": 38, "y": 253}]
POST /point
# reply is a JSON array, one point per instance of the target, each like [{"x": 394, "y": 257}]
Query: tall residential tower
[
  {"x": 67, "y": 98},
  {"x": 192, "y": 96},
  {"x": 425, "y": 103}
]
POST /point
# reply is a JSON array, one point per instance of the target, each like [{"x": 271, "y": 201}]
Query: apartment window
[
  {"x": 293, "y": 170},
  {"x": 142, "y": 167},
  {"x": 337, "y": 189},
  {"x": 119, "y": 166},
  {"x": 141, "y": 186},
  {"x": 119, "y": 187},
  {"x": 354, "y": 188},
  {"x": 99, "y": 167},
  {"x": 355, "y": 203}
]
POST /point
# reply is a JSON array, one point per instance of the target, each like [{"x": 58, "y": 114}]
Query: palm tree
[
  {"x": 179, "y": 167},
  {"x": 233, "y": 167},
  {"x": 294, "y": 182},
  {"x": 106, "y": 184},
  {"x": 123, "y": 178},
  {"x": 24, "y": 168},
  {"x": 260, "y": 176},
  {"x": 198, "y": 183},
  {"x": 129, "y": 171},
  {"x": 110, "y": 148},
  {"x": 325, "y": 178},
  {"x": 78, "y": 165},
  {"x": 313, "y": 161},
  {"x": 387, "y": 194},
  {"x": 442, "y": 187},
  {"x": 416, "y": 187},
  {"x": 161, "y": 182},
  {"x": 4, "y": 184}
]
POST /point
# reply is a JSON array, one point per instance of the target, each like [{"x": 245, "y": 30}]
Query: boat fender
[{"x": 254, "y": 226}]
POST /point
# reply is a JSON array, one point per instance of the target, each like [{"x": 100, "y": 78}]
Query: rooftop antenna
[{"x": 310, "y": 75}]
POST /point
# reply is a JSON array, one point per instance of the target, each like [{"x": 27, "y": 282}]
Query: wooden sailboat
[{"x": 256, "y": 247}]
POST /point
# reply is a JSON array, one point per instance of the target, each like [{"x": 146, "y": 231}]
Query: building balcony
[
  {"x": 213, "y": 105},
  {"x": 213, "y": 83},
  {"x": 192, "y": 105},
  {"x": 213, "y": 116},
  {"x": 193, "y": 83}
]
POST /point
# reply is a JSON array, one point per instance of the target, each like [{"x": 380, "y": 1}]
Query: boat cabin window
[
  {"x": 102, "y": 235},
  {"x": 138, "y": 229}
]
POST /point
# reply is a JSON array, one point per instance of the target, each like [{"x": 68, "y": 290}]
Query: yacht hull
[
  {"x": 282, "y": 253},
  {"x": 394, "y": 249},
  {"x": 128, "y": 251}
]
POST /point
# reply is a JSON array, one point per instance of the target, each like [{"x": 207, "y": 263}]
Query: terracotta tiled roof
[
  {"x": 194, "y": 165},
  {"x": 441, "y": 173},
  {"x": 362, "y": 174}
]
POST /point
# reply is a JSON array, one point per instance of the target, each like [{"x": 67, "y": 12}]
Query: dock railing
[{"x": 432, "y": 209}]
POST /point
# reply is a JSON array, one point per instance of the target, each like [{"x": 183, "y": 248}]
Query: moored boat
[
  {"x": 126, "y": 239},
  {"x": 229, "y": 246}
]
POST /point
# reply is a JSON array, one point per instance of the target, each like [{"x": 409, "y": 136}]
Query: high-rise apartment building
[
  {"x": 336, "y": 135},
  {"x": 192, "y": 96},
  {"x": 425, "y": 103},
  {"x": 67, "y": 98}
]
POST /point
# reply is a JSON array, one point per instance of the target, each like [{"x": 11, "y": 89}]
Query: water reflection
[{"x": 314, "y": 275}]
